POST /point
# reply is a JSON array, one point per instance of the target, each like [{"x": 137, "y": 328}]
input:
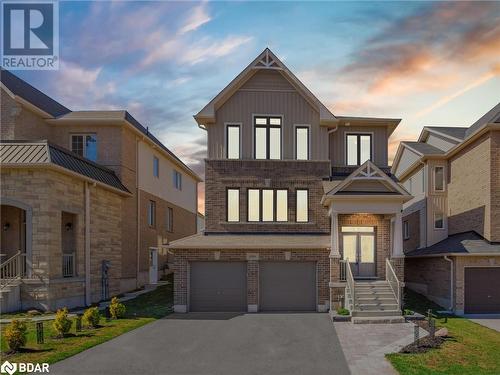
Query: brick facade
[
  {"x": 183, "y": 257},
  {"x": 270, "y": 174}
]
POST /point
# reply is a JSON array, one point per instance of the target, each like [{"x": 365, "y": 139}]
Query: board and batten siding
[
  {"x": 267, "y": 93},
  {"x": 379, "y": 143}
]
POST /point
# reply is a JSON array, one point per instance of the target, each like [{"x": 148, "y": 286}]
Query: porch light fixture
[
  {"x": 6, "y": 226},
  {"x": 69, "y": 226}
]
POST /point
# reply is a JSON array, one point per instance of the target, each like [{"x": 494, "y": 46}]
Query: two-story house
[
  {"x": 451, "y": 227},
  {"x": 89, "y": 199},
  {"x": 293, "y": 194}
]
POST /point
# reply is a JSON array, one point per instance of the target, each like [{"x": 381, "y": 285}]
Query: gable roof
[
  {"x": 423, "y": 148},
  {"x": 492, "y": 116},
  {"x": 38, "y": 153},
  {"x": 468, "y": 243},
  {"x": 266, "y": 60},
  {"x": 23, "y": 89},
  {"x": 369, "y": 172},
  {"x": 457, "y": 132}
]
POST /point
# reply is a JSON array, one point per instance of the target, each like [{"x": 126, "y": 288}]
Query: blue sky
[{"x": 428, "y": 63}]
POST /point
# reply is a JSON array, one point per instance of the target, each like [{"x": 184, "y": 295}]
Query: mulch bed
[{"x": 424, "y": 344}]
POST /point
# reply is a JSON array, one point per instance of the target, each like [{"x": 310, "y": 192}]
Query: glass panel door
[
  {"x": 366, "y": 255},
  {"x": 359, "y": 248}
]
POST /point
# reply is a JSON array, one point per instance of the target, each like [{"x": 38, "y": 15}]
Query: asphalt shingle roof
[
  {"x": 452, "y": 131},
  {"x": 463, "y": 243},
  {"x": 43, "y": 152},
  {"x": 424, "y": 148}
]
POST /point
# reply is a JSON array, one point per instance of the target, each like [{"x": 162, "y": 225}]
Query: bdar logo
[{"x": 9, "y": 368}]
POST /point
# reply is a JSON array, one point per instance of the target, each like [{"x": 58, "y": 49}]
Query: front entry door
[
  {"x": 359, "y": 247},
  {"x": 153, "y": 265}
]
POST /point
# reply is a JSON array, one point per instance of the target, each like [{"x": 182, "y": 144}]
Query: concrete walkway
[
  {"x": 127, "y": 297},
  {"x": 365, "y": 345},
  {"x": 487, "y": 320}
]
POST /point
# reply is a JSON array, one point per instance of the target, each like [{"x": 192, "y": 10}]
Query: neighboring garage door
[
  {"x": 482, "y": 290},
  {"x": 287, "y": 286},
  {"x": 218, "y": 286}
]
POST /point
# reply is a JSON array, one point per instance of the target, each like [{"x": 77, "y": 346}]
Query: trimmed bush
[
  {"x": 116, "y": 309},
  {"x": 62, "y": 324},
  {"x": 16, "y": 335},
  {"x": 91, "y": 317},
  {"x": 342, "y": 311}
]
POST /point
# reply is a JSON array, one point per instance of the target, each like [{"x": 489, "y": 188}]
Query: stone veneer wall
[
  {"x": 270, "y": 174},
  {"x": 253, "y": 257},
  {"x": 49, "y": 193}
]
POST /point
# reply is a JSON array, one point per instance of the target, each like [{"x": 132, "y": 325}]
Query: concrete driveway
[
  {"x": 218, "y": 344},
  {"x": 491, "y": 321}
]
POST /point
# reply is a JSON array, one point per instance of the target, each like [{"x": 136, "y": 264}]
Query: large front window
[
  {"x": 269, "y": 205},
  {"x": 358, "y": 148},
  {"x": 84, "y": 145},
  {"x": 267, "y": 137}
]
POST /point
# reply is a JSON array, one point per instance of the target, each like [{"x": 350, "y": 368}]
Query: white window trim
[
  {"x": 434, "y": 221},
  {"x": 353, "y": 132},
  {"x": 226, "y": 124},
  {"x": 434, "y": 178},
  {"x": 84, "y": 143},
  {"x": 295, "y": 126},
  {"x": 254, "y": 115}
]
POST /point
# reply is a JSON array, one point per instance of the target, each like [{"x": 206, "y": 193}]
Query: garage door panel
[
  {"x": 218, "y": 286},
  {"x": 287, "y": 286},
  {"x": 482, "y": 290}
]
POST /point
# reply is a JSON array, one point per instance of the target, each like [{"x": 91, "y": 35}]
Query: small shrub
[
  {"x": 16, "y": 335},
  {"x": 62, "y": 324},
  {"x": 116, "y": 309},
  {"x": 91, "y": 317},
  {"x": 342, "y": 311},
  {"x": 408, "y": 312}
]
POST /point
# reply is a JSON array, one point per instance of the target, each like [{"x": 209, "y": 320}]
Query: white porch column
[
  {"x": 334, "y": 251},
  {"x": 397, "y": 250}
]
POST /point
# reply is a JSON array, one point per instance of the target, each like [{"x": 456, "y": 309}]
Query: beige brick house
[
  {"x": 83, "y": 190},
  {"x": 452, "y": 225},
  {"x": 302, "y": 213}
]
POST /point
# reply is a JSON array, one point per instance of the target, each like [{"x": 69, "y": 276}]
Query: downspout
[
  {"x": 451, "y": 281},
  {"x": 87, "y": 245}
]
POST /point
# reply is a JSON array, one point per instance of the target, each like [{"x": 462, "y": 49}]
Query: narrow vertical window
[
  {"x": 156, "y": 167},
  {"x": 152, "y": 214},
  {"x": 302, "y": 202},
  {"x": 177, "y": 179},
  {"x": 169, "y": 220},
  {"x": 233, "y": 141},
  {"x": 267, "y": 137},
  {"x": 281, "y": 205},
  {"x": 85, "y": 145},
  {"x": 358, "y": 148},
  {"x": 438, "y": 220},
  {"x": 253, "y": 205},
  {"x": 406, "y": 230},
  {"x": 77, "y": 144},
  {"x": 233, "y": 205},
  {"x": 302, "y": 143},
  {"x": 439, "y": 178},
  {"x": 267, "y": 205}
]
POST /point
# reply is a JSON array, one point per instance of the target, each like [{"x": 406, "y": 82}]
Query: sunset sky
[{"x": 428, "y": 63}]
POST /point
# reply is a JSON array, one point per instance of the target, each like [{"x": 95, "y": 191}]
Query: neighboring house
[
  {"x": 292, "y": 192},
  {"x": 452, "y": 225},
  {"x": 80, "y": 188}
]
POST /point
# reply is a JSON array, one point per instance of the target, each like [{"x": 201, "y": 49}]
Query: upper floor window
[
  {"x": 438, "y": 178},
  {"x": 302, "y": 142},
  {"x": 269, "y": 205},
  {"x": 358, "y": 148},
  {"x": 406, "y": 230},
  {"x": 438, "y": 220},
  {"x": 169, "y": 219},
  {"x": 233, "y": 204},
  {"x": 177, "y": 179},
  {"x": 233, "y": 141},
  {"x": 156, "y": 167},
  {"x": 152, "y": 214},
  {"x": 267, "y": 137},
  {"x": 302, "y": 201},
  {"x": 84, "y": 145}
]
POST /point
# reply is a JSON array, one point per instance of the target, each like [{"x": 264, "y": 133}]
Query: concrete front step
[
  {"x": 377, "y": 307},
  {"x": 377, "y": 320},
  {"x": 360, "y": 296},
  {"x": 374, "y": 313}
]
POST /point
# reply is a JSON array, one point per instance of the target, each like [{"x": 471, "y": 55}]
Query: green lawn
[
  {"x": 472, "y": 348},
  {"x": 142, "y": 310}
]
